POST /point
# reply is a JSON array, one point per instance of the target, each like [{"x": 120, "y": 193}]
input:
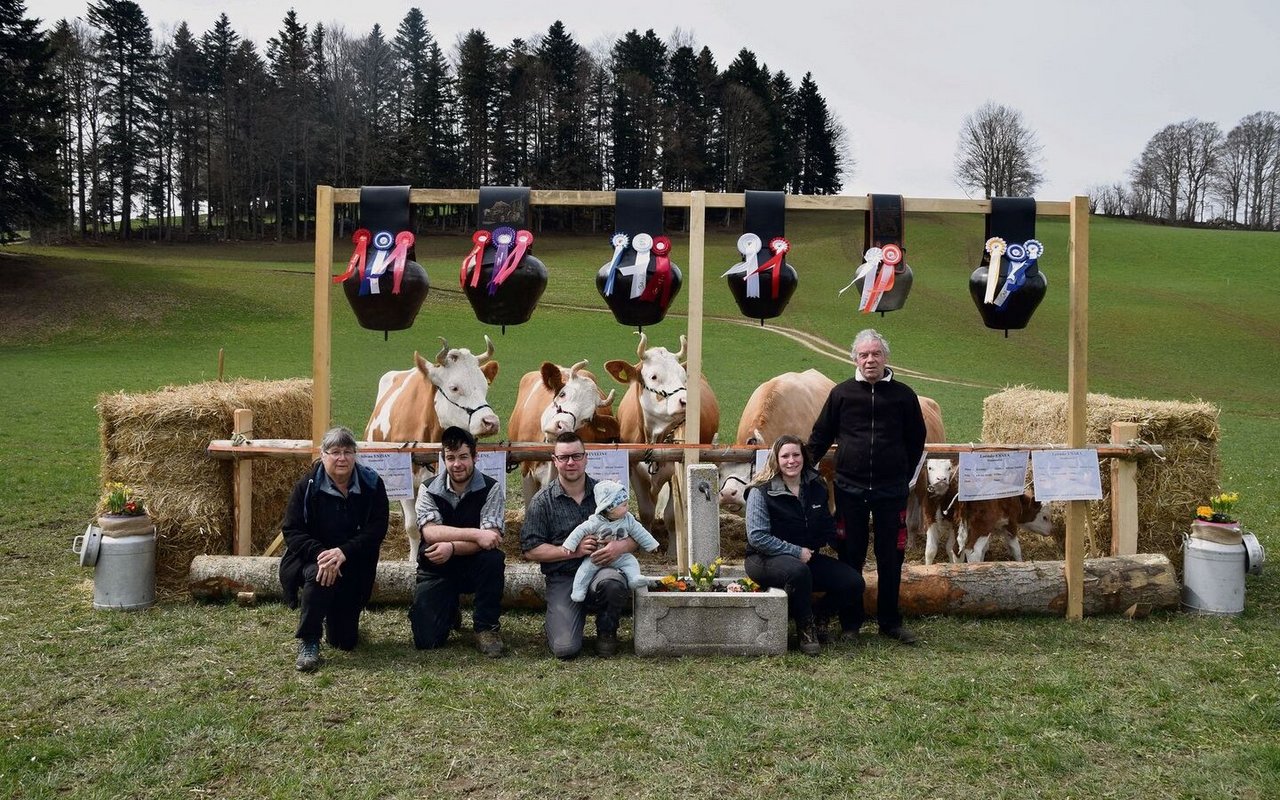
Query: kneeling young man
[
  {"x": 553, "y": 513},
  {"x": 460, "y": 514}
]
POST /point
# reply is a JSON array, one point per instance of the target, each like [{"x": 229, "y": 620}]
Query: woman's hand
[{"x": 805, "y": 555}]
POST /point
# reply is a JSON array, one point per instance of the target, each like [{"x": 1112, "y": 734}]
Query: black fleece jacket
[{"x": 880, "y": 433}]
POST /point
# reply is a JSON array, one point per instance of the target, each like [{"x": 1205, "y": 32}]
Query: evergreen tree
[
  {"x": 820, "y": 143},
  {"x": 129, "y": 80},
  {"x": 783, "y": 130},
  {"x": 374, "y": 120},
  {"x": 289, "y": 57},
  {"x": 640, "y": 80},
  {"x": 70, "y": 68},
  {"x": 684, "y": 149},
  {"x": 184, "y": 91},
  {"x": 478, "y": 76},
  {"x": 218, "y": 46}
]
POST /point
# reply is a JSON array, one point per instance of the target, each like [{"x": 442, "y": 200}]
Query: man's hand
[
  {"x": 606, "y": 555},
  {"x": 805, "y": 555},
  {"x": 439, "y": 552},
  {"x": 488, "y": 539},
  {"x": 330, "y": 564},
  {"x": 587, "y": 547}
]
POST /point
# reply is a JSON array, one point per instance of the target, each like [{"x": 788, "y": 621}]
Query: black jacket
[
  {"x": 880, "y": 433},
  {"x": 316, "y": 520},
  {"x": 802, "y": 521}
]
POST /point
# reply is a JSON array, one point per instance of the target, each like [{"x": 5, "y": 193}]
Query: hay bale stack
[
  {"x": 156, "y": 442},
  {"x": 1168, "y": 490}
]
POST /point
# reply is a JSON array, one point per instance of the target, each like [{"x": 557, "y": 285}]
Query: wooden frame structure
[{"x": 1077, "y": 209}]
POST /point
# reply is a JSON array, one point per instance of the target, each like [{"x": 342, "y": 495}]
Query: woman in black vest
[{"x": 788, "y": 522}]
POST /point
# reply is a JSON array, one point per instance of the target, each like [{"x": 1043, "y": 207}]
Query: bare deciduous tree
[{"x": 997, "y": 153}]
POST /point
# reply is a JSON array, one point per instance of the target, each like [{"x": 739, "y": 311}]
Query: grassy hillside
[{"x": 191, "y": 700}]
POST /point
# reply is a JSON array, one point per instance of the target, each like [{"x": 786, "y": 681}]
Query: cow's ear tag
[{"x": 624, "y": 375}]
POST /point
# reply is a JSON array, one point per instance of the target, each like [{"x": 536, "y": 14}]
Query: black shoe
[
  {"x": 850, "y": 636},
  {"x": 821, "y": 626},
  {"x": 489, "y": 643},
  {"x": 808, "y": 636},
  {"x": 308, "y": 656},
  {"x": 902, "y": 634},
  {"x": 606, "y": 643}
]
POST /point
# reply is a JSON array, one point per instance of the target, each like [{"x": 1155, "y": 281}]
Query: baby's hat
[{"x": 609, "y": 494}]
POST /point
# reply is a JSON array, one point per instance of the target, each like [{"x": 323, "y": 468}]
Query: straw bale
[
  {"x": 1169, "y": 489},
  {"x": 156, "y": 443}
]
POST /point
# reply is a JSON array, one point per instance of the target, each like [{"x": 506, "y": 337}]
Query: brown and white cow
[
  {"x": 786, "y": 403},
  {"x": 978, "y": 520},
  {"x": 416, "y": 405},
  {"x": 930, "y": 498},
  {"x": 650, "y": 412},
  {"x": 554, "y": 400}
]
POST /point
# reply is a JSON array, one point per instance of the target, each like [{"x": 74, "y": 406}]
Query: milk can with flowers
[
  {"x": 1216, "y": 557},
  {"x": 121, "y": 547}
]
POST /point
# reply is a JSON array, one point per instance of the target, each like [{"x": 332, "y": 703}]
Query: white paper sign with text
[
  {"x": 987, "y": 476},
  {"x": 1066, "y": 475},
  {"x": 396, "y": 470},
  {"x": 609, "y": 465}
]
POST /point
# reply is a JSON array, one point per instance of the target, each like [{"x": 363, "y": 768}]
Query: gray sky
[{"x": 1093, "y": 78}]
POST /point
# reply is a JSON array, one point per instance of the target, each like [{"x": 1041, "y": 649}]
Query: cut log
[
  {"x": 1111, "y": 585},
  {"x": 222, "y": 578}
]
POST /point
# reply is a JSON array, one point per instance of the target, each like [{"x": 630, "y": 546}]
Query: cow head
[
  {"x": 574, "y": 401},
  {"x": 938, "y": 473},
  {"x": 662, "y": 382},
  {"x": 462, "y": 387},
  {"x": 1035, "y": 516},
  {"x": 734, "y": 478}
]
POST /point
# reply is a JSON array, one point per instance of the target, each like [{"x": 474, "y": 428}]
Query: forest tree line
[{"x": 211, "y": 135}]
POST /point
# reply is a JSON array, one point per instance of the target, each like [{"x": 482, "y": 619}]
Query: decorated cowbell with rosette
[
  {"x": 1009, "y": 286},
  {"x": 763, "y": 282},
  {"x": 883, "y": 280},
  {"x": 501, "y": 277},
  {"x": 383, "y": 285},
  {"x": 640, "y": 280}
]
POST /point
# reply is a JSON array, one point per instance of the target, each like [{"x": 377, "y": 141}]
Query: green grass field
[{"x": 189, "y": 700}]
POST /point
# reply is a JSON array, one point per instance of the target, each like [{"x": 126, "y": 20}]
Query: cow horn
[
  {"x": 574, "y": 369},
  {"x": 644, "y": 345},
  {"x": 683, "y": 343},
  {"x": 606, "y": 401},
  {"x": 444, "y": 351},
  {"x": 488, "y": 352}
]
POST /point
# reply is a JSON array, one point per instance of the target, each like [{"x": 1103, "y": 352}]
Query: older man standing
[
  {"x": 876, "y": 421},
  {"x": 333, "y": 526}
]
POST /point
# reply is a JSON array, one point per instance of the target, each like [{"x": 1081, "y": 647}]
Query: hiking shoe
[
  {"x": 808, "y": 636},
  {"x": 902, "y": 634},
  {"x": 489, "y": 643},
  {"x": 308, "y": 656},
  {"x": 822, "y": 629},
  {"x": 606, "y": 643}
]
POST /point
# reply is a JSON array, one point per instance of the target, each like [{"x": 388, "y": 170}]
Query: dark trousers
[
  {"x": 889, "y": 519},
  {"x": 607, "y": 597},
  {"x": 334, "y": 609},
  {"x": 435, "y": 596},
  {"x": 842, "y": 585}
]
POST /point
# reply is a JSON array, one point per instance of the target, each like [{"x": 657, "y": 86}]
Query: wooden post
[
  {"x": 693, "y": 361},
  {"x": 1077, "y": 392},
  {"x": 320, "y": 334},
  {"x": 1124, "y": 494},
  {"x": 242, "y": 478}
]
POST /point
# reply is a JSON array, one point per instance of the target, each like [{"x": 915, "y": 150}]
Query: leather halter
[{"x": 470, "y": 411}]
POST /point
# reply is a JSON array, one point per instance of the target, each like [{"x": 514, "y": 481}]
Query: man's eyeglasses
[
  {"x": 341, "y": 453},
  {"x": 567, "y": 457}
]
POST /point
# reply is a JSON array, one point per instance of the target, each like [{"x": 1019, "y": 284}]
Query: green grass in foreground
[{"x": 188, "y": 700}]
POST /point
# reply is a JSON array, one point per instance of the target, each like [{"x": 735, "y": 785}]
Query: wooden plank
[
  {"x": 1124, "y": 494},
  {"x": 563, "y": 197},
  {"x": 1077, "y": 392},
  {"x": 321, "y": 343},
  {"x": 242, "y": 481}
]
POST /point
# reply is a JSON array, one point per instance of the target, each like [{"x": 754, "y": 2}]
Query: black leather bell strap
[
  {"x": 637, "y": 220},
  {"x": 500, "y": 211},
  {"x": 884, "y": 224},
  {"x": 384, "y": 241},
  {"x": 1011, "y": 251}
]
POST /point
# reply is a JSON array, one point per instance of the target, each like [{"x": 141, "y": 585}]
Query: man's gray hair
[
  {"x": 336, "y": 437},
  {"x": 868, "y": 335}
]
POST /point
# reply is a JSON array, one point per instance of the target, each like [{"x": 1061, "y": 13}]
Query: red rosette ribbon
[
  {"x": 398, "y": 257},
  {"x": 660, "y": 285},
  {"x": 472, "y": 262},
  {"x": 779, "y": 246},
  {"x": 361, "y": 238}
]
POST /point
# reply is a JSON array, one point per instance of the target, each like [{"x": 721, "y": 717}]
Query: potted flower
[
  {"x": 122, "y": 512},
  {"x": 1216, "y": 521},
  {"x": 704, "y": 579}
]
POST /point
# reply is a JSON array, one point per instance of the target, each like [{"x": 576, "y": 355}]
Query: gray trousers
[{"x": 608, "y": 597}]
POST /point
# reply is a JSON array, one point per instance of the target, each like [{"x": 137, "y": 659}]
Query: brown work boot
[
  {"x": 808, "y": 639},
  {"x": 489, "y": 643}
]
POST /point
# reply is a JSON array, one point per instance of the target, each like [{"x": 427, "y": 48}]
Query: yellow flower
[{"x": 1204, "y": 511}]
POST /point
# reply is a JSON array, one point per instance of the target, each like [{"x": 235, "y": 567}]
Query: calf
[
  {"x": 935, "y": 494},
  {"x": 978, "y": 520}
]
